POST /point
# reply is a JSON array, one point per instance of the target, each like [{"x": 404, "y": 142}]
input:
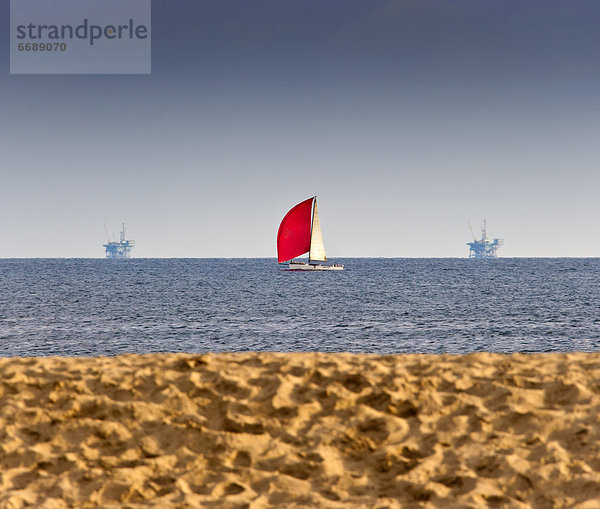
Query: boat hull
[{"x": 313, "y": 266}]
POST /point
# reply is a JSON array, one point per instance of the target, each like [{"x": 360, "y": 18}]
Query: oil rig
[
  {"x": 484, "y": 247},
  {"x": 118, "y": 250}
]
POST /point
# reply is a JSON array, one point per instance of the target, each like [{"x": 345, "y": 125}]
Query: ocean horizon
[{"x": 93, "y": 307}]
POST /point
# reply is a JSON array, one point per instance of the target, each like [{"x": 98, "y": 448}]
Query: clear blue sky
[{"x": 406, "y": 118}]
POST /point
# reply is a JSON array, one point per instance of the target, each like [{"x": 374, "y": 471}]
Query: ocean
[{"x": 92, "y": 307}]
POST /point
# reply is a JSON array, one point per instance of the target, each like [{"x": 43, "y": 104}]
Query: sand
[{"x": 301, "y": 430}]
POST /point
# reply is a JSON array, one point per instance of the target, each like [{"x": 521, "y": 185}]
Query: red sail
[{"x": 293, "y": 237}]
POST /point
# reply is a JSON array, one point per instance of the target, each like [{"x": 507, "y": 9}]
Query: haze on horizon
[{"x": 405, "y": 118}]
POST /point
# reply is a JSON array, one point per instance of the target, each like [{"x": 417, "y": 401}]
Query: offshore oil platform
[
  {"x": 118, "y": 250},
  {"x": 484, "y": 247}
]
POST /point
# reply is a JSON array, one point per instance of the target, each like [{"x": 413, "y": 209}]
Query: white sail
[{"x": 317, "y": 248}]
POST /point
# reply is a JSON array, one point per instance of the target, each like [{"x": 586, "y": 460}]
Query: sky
[{"x": 406, "y": 118}]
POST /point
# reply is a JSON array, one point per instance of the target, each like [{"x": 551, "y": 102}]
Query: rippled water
[{"x": 104, "y": 307}]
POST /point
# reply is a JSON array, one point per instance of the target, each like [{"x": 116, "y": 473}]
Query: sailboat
[{"x": 300, "y": 233}]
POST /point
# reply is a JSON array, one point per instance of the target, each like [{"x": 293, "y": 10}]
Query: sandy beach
[{"x": 301, "y": 430}]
